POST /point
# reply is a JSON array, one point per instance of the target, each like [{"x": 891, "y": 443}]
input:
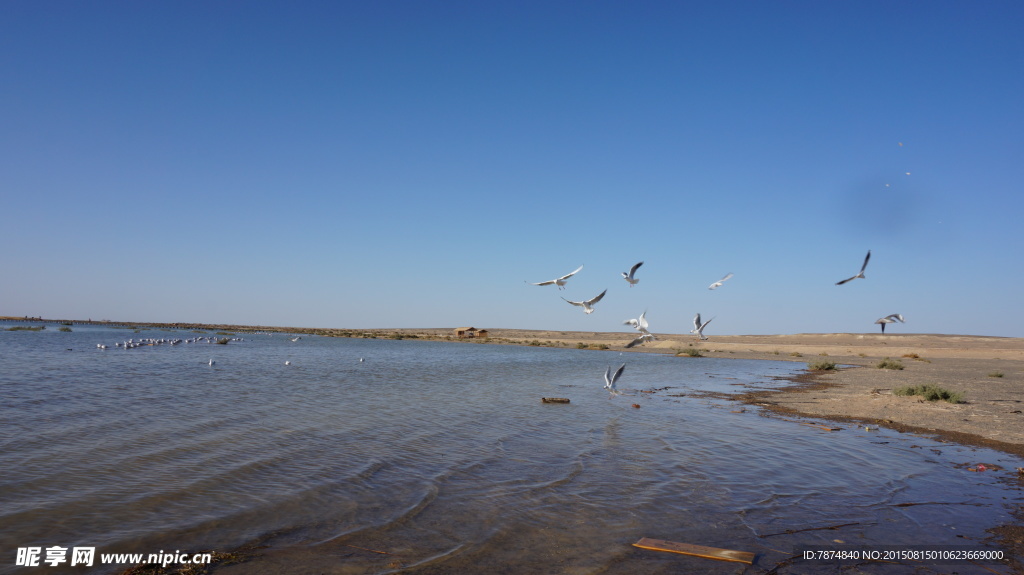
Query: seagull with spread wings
[
  {"x": 588, "y": 305},
  {"x": 719, "y": 283},
  {"x": 891, "y": 318},
  {"x": 560, "y": 282},
  {"x": 861, "y": 273},
  {"x": 629, "y": 276},
  {"x": 698, "y": 327},
  {"x": 610, "y": 379},
  {"x": 641, "y": 326}
]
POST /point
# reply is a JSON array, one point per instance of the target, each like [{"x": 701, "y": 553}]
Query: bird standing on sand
[
  {"x": 558, "y": 282},
  {"x": 861, "y": 273},
  {"x": 629, "y": 276},
  {"x": 719, "y": 283},
  {"x": 610, "y": 379},
  {"x": 891, "y": 318},
  {"x": 698, "y": 327},
  {"x": 588, "y": 305}
]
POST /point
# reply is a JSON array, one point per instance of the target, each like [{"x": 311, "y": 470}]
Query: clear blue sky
[{"x": 411, "y": 164}]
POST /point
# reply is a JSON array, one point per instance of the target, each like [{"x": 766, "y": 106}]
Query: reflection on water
[{"x": 441, "y": 458}]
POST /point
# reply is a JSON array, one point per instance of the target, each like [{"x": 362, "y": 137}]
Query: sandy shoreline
[{"x": 993, "y": 415}]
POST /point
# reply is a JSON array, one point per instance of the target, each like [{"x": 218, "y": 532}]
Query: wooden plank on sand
[{"x": 696, "y": 550}]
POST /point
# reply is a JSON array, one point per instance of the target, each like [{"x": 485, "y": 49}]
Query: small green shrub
[
  {"x": 821, "y": 365},
  {"x": 930, "y": 393},
  {"x": 996, "y": 374},
  {"x": 64, "y": 328},
  {"x": 889, "y": 364},
  {"x": 796, "y": 354}
]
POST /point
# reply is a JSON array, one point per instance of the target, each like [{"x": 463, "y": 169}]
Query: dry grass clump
[
  {"x": 889, "y": 364},
  {"x": 930, "y": 393},
  {"x": 996, "y": 374},
  {"x": 796, "y": 354},
  {"x": 690, "y": 352},
  {"x": 821, "y": 365}
]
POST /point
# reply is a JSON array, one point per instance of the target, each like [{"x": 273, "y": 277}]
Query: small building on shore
[{"x": 470, "y": 332}]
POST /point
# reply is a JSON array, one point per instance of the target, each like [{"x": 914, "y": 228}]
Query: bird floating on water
[
  {"x": 610, "y": 379},
  {"x": 718, "y": 283},
  {"x": 588, "y": 305},
  {"x": 891, "y": 318},
  {"x": 859, "y": 274},
  {"x": 698, "y": 327},
  {"x": 287, "y": 363},
  {"x": 297, "y": 338},
  {"x": 629, "y": 276},
  {"x": 212, "y": 362},
  {"x": 559, "y": 281}
]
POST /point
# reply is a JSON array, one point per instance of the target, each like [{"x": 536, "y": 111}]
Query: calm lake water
[{"x": 432, "y": 457}]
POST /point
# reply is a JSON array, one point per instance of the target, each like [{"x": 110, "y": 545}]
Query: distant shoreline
[{"x": 988, "y": 370}]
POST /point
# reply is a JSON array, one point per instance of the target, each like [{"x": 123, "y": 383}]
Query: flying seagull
[
  {"x": 718, "y": 283},
  {"x": 610, "y": 379},
  {"x": 859, "y": 275},
  {"x": 558, "y": 282},
  {"x": 698, "y": 327},
  {"x": 641, "y": 326},
  {"x": 588, "y": 305},
  {"x": 638, "y": 324},
  {"x": 891, "y": 318},
  {"x": 629, "y": 276},
  {"x": 642, "y": 338}
]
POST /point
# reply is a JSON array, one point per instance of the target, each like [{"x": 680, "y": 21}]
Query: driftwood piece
[
  {"x": 555, "y": 399},
  {"x": 696, "y": 550}
]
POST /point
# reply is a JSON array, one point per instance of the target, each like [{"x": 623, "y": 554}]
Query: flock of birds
[
  {"x": 641, "y": 325},
  {"x": 150, "y": 341}
]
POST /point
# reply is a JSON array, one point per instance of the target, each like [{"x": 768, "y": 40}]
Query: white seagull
[
  {"x": 212, "y": 362},
  {"x": 641, "y": 326},
  {"x": 859, "y": 275},
  {"x": 642, "y": 338},
  {"x": 558, "y": 282},
  {"x": 718, "y": 283},
  {"x": 698, "y": 327},
  {"x": 610, "y": 379},
  {"x": 296, "y": 338},
  {"x": 638, "y": 324},
  {"x": 588, "y": 305},
  {"x": 891, "y": 318},
  {"x": 629, "y": 276}
]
